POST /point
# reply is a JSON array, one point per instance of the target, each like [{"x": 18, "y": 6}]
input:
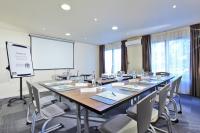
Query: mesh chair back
[
  {"x": 36, "y": 95},
  {"x": 144, "y": 112},
  {"x": 30, "y": 90},
  {"x": 163, "y": 73},
  {"x": 178, "y": 83},
  {"x": 173, "y": 88},
  {"x": 162, "y": 99}
]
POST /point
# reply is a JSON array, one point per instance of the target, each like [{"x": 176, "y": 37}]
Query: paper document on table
[
  {"x": 85, "y": 90},
  {"x": 81, "y": 84},
  {"x": 118, "y": 84},
  {"x": 133, "y": 80},
  {"x": 55, "y": 83},
  {"x": 149, "y": 81},
  {"x": 63, "y": 87},
  {"x": 134, "y": 87},
  {"x": 112, "y": 95}
]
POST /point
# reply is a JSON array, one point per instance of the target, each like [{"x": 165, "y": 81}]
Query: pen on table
[{"x": 113, "y": 93}]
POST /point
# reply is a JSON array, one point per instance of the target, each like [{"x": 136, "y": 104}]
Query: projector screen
[{"x": 50, "y": 54}]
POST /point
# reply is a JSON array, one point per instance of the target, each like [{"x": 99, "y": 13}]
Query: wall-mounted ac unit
[{"x": 134, "y": 42}]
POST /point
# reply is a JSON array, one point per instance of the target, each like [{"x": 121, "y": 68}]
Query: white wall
[{"x": 86, "y": 61}]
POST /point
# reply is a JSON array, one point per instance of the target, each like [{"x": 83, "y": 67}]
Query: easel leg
[{"x": 19, "y": 98}]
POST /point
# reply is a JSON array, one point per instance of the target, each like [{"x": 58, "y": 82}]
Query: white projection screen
[{"x": 48, "y": 53}]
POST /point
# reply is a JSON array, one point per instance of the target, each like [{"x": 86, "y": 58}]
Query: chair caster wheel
[
  {"x": 176, "y": 121},
  {"x": 28, "y": 123},
  {"x": 95, "y": 128},
  {"x": 180, "y": 112}
]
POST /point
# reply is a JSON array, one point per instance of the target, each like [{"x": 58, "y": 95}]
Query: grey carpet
[{"x": 13, "y": 119}]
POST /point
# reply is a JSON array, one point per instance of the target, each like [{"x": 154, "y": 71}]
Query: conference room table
[{"x": 84, "y": 98}]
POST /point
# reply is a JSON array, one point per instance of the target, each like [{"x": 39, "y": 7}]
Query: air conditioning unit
[{"x": 134, "y": 42}]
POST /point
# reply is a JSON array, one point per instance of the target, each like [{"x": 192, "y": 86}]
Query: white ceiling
[{"x": 133, "y": 17}]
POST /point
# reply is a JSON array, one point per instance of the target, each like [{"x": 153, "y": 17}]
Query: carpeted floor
[{"x": 13, "y": 119}]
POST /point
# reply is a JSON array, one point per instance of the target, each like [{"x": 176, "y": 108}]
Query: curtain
[
  {"x": 101, "y": 59},
  {"x": 195, "y": 59},
  {"x": 171, "y": 53},
  {"x": 146, "y": 53},
  {"x": 124, "y": 56}
]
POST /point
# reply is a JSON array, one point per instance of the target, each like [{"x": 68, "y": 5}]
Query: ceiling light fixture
[
  {"x": 174, "y": 6},
  {"x": 114, "y": 28},
  {"x": 66, "y": 7},
  {"x": 44, "y": 29},
  {"x": 95, "y": 19},
  {"x": 68, "y": 34}
]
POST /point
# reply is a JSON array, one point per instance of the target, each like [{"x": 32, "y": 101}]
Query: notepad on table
[
  {"x": 112, "y": 95},
  {"x": 149, "y": 81},
  {"x": 81, "y": 84},
  {"x": 88, "y": 90},
  {"x": 133, "y": 87},
  {"x": 55, "y": 83},
  {"x": 63, "y": 87},
  {"x": 133, "y": 80},
  {"x": 118, "y": 84}
]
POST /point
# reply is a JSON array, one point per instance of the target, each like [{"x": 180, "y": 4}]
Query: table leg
[
  {"x": 86, "y": 122},
  {"x": 60, "y": 98},
  {"x": 78, "y": 118}
]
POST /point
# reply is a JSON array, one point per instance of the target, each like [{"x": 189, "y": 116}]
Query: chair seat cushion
[
  {"x": 119, "y": 124},
  {"x": 47, "y": 100},
  {"x": 63, "y": 106},
  {"x": 54, "y": 110},
  {"x": 132, "y": 112}
]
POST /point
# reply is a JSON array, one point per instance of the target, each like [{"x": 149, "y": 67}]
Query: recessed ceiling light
[
  {"x": 114, "y": 28},
  {"x": 68, "y": 34},
  {"x": 95, "y": 19},
  {"x": 44, "y": 29},
  {"x": 174, "y": 6},
  {"x": 66, "y": 7}
]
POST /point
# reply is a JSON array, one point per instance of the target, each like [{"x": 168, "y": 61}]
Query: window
[
  {"x": 112, "y": 60},
  {"x": 108, "y": 61},
  {"x": 172, "y": 54},
  {"x": 158, "y": 57}
]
